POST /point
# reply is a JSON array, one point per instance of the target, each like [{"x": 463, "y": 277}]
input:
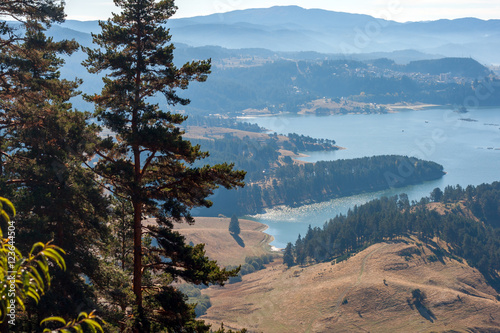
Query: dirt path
[{"x": 344, "y": 294}]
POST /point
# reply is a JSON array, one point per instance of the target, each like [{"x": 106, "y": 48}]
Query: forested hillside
[
  {"x": 285, "y": 85},
  {"x": 258, "y": 155},
  {"x": 275, "y": 178},
  {"x": 475, "y": 238}
]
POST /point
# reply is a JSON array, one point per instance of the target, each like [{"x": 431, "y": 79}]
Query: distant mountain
[
  {"x": 295, "y": 29},
  {"x": 463, "y": 67},
  {"x": 249, "y": 46},
  {"x": 82, "y": 26},
  {"x": 292, "y": 17}
]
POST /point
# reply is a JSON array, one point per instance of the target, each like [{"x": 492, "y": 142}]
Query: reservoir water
[{"x": 467, "y": 145}]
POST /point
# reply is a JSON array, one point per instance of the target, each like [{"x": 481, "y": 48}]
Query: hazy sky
[{"x": 397, "y": 10}]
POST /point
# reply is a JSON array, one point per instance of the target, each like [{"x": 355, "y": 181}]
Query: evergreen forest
[{"x": 475, "y": 238}]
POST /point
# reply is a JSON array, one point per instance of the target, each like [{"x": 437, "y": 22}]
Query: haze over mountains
[
  {"x": 256, "y": 38},
  {"x": 295, "y": 29}
]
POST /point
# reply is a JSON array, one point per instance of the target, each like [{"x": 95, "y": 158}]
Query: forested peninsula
[{"x": 299, "y": 184}]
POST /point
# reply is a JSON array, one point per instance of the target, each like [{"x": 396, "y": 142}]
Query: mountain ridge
[{"x": 295, "y": 29}]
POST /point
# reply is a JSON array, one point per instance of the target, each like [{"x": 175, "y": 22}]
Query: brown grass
[
  {"x": 199, "y": 132},
  {"x": 220, "y": 245},
  {"x": 458, "y": 207},
  {"x": 310, "y": 299}
]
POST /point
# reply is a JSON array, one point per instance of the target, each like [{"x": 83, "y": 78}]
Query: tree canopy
[
  {"x": 234, "y": 225},
  {"x": 146, "y": 160}
]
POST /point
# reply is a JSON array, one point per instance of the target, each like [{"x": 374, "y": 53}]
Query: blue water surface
[{"x": 467, "y": 145}]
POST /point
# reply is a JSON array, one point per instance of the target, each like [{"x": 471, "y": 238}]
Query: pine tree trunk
[
  {"x": 137, "y": 204},
  {"x": 137, "y": 254}
]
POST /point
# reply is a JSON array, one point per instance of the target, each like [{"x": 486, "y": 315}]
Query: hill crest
[{"x": 371, "y": 291}]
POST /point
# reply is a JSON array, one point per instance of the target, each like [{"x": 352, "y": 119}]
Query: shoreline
[
  {"x": 269, "y": 239},
  {"x": 391, "y": 108},
  {"x": 411, "y": 107}
]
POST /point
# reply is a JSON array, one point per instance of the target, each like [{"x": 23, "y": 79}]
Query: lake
[{"x": 467, "y": 145}]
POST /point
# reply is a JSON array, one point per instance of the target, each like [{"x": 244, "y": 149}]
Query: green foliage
[
  {"x": 418, "y": 296},
  {"x": 83, "y": 321},
  {"x": 251, "y": 265},
  {"x": 342, "y": 257},
  {"x": 436, "y": 194},
  {"x": 44, "y": 146},
  {"x": 234, "y": 225},
  {"x": 201, "y": 302},
  {"x": 254, "y": 155},
  {"x": 409, "y": 252},
  {"x": 288, "y": 258},
  {"x": 9, "y": 208},
  {"x": 41, "y": 10},
  {"x": 46, "y": 149},
  {"x": 29, "y": 14},
  {"x": 23, "y": 277},
  {"x": 28, "y": 277},
  {"x": 214, "y": 121}
]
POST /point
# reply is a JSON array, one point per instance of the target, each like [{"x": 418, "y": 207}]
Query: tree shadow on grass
[
  {"x": 238, "y": 239},
  {"x": 426, "y": 313}
]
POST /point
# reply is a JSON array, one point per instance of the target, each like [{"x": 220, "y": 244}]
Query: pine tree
[
  {"x": 234, "y": 225},
  {"x": 436, "y": 195},
  {"x": 22, "y": 13},
  {"x": 44, "y": 145},
  {"x": 288, "y": 258},
  {"x": 31, "y": 16},
  {"x": 147, "y": 161}
]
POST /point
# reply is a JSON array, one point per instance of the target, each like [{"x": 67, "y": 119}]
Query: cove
[{"x": 467, "y": 145}]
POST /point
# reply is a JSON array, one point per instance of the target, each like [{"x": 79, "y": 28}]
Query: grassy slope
[
  {"x": 310, "y": 299},
  {"x": 221, "y": 246}
]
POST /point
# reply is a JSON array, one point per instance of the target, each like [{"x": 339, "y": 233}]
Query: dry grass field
[
  {"x": 370, "y": 292},
  {"x": 212, "y": 133},
  {"x": 221, "y": 245}
]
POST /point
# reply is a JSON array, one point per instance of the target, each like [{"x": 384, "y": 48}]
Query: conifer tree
[
  {"x": 44, "y": 145},
  {"x": 26, "y": 17},
  {"x": 234, "y": 225},
  {"x": 288, "y": 258},
  {"x": 147, "y": 161}
]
